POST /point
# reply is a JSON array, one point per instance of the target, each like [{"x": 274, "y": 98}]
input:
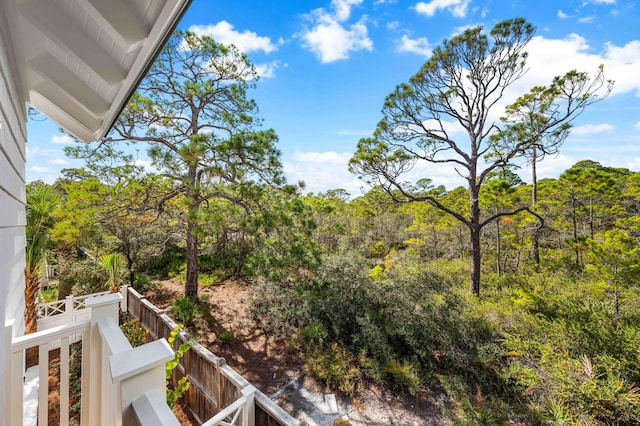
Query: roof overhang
[{"x": 79, "y": 61}]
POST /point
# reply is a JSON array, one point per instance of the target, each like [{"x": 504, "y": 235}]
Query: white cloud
[
  {"x": 587, "y": 19},
  {"x": 61, "y": 139},
  {"x": 562, "y": 15},
  {"x": 419, "y": 46},
  {"x": 322, "y": 170},
  {"x": 393, "y": 25},
  {"x": 39, "y": 169},
  {"x": 146, "y": 165},
  {"x": 268, "y": 70},
  {"x": 343, "y": 8},
  {"x": 59, "y": 161},
  {"x": 637, "y": 126},
  {"x": 331, "y": 41},
  {"x": 603, "y": 1},
  {"x": 589, "y": 129},
  {"x": 553, "y": 166},
  {"x": 330, "y": 157},
  {"x": 246, "y": 41},
  {"x": 551, "y": 57},
  {"x": 458, "y": 8},
  {"x": 462, "y": 28}
]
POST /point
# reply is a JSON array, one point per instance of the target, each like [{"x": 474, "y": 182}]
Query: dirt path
[{"x": 276, "y": 367}]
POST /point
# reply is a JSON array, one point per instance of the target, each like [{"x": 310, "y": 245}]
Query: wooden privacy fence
[{"x": 214, "y": 385}]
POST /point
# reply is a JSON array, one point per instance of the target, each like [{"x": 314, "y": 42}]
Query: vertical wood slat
[
  {"x": 43, "y": 384},
  {"x": 64, "y": 381}
]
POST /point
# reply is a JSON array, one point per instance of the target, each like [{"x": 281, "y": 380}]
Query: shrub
[
  {"x": 135, "y": 333},
  {"x": 81, "y": 277},
  {"x": 226, "y": 337},
  {"x": 337, "y": 367},
  {"x": 314, "y": 334},
  {"x": 49, "y": 294},
  {"x": 278, "y": 308},
  {"x": 184, "y": 309},
  {"x": 403, "y": 375},
  {"x": 142, "y": 282}
]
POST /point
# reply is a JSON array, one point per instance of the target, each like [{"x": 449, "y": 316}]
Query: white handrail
[
  {"x": 42, "y": 337},
  {"x": 41, "y": 340}
]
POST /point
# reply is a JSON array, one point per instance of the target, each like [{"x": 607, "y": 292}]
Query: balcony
[{"x": 122, "y": 385}]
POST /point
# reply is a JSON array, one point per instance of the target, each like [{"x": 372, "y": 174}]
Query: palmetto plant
[
  {"x": 41, "y": 201},
  {"x": 112, "y": 263}
]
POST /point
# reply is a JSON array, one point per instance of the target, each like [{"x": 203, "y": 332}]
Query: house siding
[{"x": 12, "y": 195}]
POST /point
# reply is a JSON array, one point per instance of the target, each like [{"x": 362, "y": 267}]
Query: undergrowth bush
[
  {"x": 142, "y": 282},
  {"x": 191, "y": 311},
  {"x": 81, "y": 277},
  {"x": 409, "y": 314},
  {"x": 337, "y": 367},
  {"x": 546, "y": 347}
]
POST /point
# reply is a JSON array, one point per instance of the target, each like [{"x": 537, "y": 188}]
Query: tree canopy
[
  {"x": 202, "y": 131},
  {"x": 457, "y": 92}
]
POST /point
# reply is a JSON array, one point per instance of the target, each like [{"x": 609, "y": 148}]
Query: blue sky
[{"x": 326, "y": 67}]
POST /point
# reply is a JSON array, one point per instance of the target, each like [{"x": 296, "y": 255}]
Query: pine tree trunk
[
  {"x": 191, "y": 288},
  {"x": 476, "y": 258},
  {"x": 534, "y": 200},
  {"x": 498, "y": 251}
]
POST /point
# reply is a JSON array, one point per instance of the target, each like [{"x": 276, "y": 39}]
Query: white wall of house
[{"x": 12, "y": 193}]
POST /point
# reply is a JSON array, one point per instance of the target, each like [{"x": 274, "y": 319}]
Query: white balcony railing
[{"x": 118, "y": 382}]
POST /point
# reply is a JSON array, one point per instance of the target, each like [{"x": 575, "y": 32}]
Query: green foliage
[
  {"x": 49, "y": 294},
  {"x": 112, "y": 263},
  {"x": 412, "y": 314},
  {"x": 83, "y": 277},
  {"x": 337, "y": 367},
  {"x": 226, "y": 338},
  {"x": 278, "y": 309},
  {"x": 142, "y": 282},
  {"x": 189, "y": 310},
  {"x": 135, "y": 333},
  {"x": 314, "y": 334},
  {"x": 179, "y": 387},
  {"x": 403, "y": 375},
  {"x": 205, "y": 140},
  {"x": 75, "y": 382},
  {"x": 569, "y": 353}
]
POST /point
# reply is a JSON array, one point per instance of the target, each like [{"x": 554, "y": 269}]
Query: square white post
[
  {"x": 141, "y": 371},
  {"x": 249, "y": 410},
  {"x": 105, "y": 306}
]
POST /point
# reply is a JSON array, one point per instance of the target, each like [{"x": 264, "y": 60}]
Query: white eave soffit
[{"x": 80, "y": 60}]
